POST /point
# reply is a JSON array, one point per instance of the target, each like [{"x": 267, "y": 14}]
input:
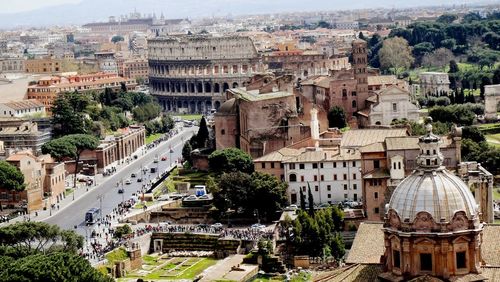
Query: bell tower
[{"x": 359, "y": 65}]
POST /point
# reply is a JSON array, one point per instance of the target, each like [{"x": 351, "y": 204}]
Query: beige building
[
  {"x": 44, "y": 66},
  {"x": 11, "y": 64},
  {"x": 434, "y": 83},
  {"x": 47, "y": 88},
  {"x": 135, "y": 69}
]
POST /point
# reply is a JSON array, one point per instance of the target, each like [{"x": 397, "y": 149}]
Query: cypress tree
[{"x": 310, "y": 199}]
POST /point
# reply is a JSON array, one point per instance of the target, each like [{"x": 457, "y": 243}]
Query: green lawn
[
  {"x": 68, "y": 191},
  {"x": 190, "y": 117},
  {"x": 298, "y": 278},
  {"x": 141, "y": 205},
  {"x": 117, "y": 255},
  {"x": 173, "y": 268},
  {"x": 153, "y": 137}
]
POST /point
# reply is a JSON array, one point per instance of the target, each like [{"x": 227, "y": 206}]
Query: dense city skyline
[{"x": 56, "y": 12}]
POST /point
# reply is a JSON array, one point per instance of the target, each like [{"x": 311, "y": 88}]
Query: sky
[{"x": 14, "y": 6}]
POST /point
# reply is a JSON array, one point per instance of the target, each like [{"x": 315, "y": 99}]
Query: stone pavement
[{"x": 223, "y": 267}]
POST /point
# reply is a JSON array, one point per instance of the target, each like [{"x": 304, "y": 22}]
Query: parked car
[
  {"x": 128, "y": 182},
  {"x": 191, "y": 198},
  {"x": 217, "y": 225},
  {"x": 133, "y": 175},
  {"x": 164, "y": 158},
  {"x": 257, "y": 226},
  {"x": 163, "y": 198},
  {"x": 139, "y": 179},
  {"x": 121, "y": 190}
]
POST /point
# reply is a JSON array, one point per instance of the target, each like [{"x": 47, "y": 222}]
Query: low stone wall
[{"x": 195, "y": 242}]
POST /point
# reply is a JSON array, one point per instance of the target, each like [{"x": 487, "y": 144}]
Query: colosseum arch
[
  {"x": 216, "y": 88},
  {"x": 208, "y": 87},
  {"x": 225, "y": 87},
  {"x": 491, "y": 101},
  {"x": 199, "y": 87},
  {"x": 191, "y": 87},
  {"x": 235, "y": 85},
  {"x": 184, "y": 87}
]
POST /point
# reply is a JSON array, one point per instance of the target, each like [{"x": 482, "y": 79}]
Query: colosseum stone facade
[{"x": 192, "y": 73}]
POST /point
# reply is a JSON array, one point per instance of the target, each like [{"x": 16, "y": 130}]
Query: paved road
[{"x": 74, "y": 214}]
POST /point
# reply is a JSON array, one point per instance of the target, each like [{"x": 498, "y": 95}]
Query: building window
[
  {"x": 394, "y": 107},
  {"x": 334, "y": 177},
  {"x": 426, "y": 262},
  {"x": 292, "y": 166},
  {"x": 272, "y": 165},
  {"x": 315, "y": 165},
  {"x": 292, "y": 177},
  {"x": 375, "y": 210},
  {"x": 303, "y": 188},
  {"x": 354, "y": 164},
  {"x": 353, "y": 93},
  {"x": 282, "y": 165},
  {"x": 345, "y": 186},
  {"x": 344, "y": 164},
  {"x": 222, "y": 132},
  {"x": 375, "y": 195},
  {"x": 345, "y": 176},
  {"x": 376, "y": 164},
  {"x": 461, "y": 260},
  {"x": 354, "y": 176},
  {"x": 345, "y": 196},
  {"x": 328, "y": 188},
  {"x": 315, "y": 178},
  {"x": 263, "y": 165},
  {"x": 302, "y": 178},
  {"x": 396, "y": 259},
  {"x": 301, "y": 166},
  {"x": 355, "y": 186},
  {"x": 344, "y": 93},
  {"x": 354, "y": 105},
  {"x": 334, "y": 164},
  {"x": 316, "y": 188},
  {"x": 329, "y": 196},
  {"x": 322, "y": 177}
]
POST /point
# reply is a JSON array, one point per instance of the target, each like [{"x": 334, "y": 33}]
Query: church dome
[{"x": 431, "y": 193}]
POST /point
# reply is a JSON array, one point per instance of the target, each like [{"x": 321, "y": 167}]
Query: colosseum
[{"x": 192, "y": 73}]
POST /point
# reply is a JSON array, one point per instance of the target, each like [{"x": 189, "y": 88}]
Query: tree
[
  {"x": 395, "y": 54},
  {"x": 447, "y": 18},
  {"x": 70, "y": 146},
  {"x": 29, "y": 238},
  {"x": 473, "y": 133},
  {"x": 310, "y": 199},
  {"x": 122, "y": 230},
  {"x": 202, "y": 136},
  {"x": 230, "y": 160},
  {"x": 186, "y": 152},
  {"x": 496, "y": 76},
  {"x": 268, "y": 194},
  {"x": 438, "y": 58},
  {"x": 117, "y": 38},
  {"x": 302, "y": 200},
  {"x": 54, "y": 267},
  {"x": 11, "y": 178},
  {"x": 67, "y": 114},
  {"x": 234, "y": 192},
  {"x": 336, "y": 117}
]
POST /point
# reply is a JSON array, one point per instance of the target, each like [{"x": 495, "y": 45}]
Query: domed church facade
[{"x": 431, "y": 225}]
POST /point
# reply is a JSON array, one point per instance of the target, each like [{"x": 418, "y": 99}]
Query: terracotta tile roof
[
  {"x": 410, "y": 142},
  {"x": 368, "y": 245},
  {"x": 278, "y": 156},
  {"x": 363, "y": 137},
  {"x": 24, "y": 104},
  {"x": 383, "y": 80}
]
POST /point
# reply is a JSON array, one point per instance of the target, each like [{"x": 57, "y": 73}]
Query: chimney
[{"x": 314, "y": 125}]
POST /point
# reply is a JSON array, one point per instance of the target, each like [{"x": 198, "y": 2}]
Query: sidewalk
[{"x": 81, "y": 190}]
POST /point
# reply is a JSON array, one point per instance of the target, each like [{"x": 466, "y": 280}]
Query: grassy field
[
  {"x": 141, "y": 205},
  {"x": 117, "y": 255},
  {"x": 153, "y": 137},
  {"x": 155, "y": 268},
  {"x": 195, "y": 178},
  {"x": 190, "y": 117}
]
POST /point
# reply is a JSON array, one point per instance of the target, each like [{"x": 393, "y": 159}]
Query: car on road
[
  {"x": 257, "y": 226},
  {"x": 128, "y": 182},
  {"x": 139, "y": 179},
  {"x": 133, "y": 175},
  {"x": 164, "y": 158},
  {"x": 121, "y": 190},
  {"x": 217, "y": 225},
  {"x": 163, "y": 198},
  {"x": 155, "y": 160}
]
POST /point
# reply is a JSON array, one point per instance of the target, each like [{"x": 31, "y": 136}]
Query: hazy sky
[{"x": 13, "y": 6}]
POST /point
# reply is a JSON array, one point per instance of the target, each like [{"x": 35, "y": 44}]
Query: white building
[
  {"x": 332, "y": 175},
  {"x": 22, "y": 108},
  {"x": 388, "y": 104},
  {"x": 434, "y": 83}
]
